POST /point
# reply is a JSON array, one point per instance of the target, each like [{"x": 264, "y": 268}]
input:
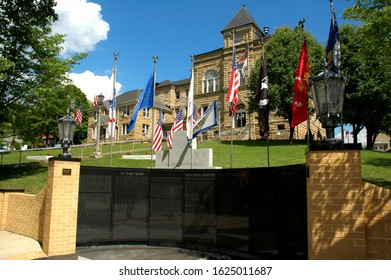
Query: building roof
[{"x": 240, "y": 19}]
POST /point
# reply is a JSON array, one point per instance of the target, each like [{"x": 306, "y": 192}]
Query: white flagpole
[
  {"x": 190, "y": 108},
  {"x": 113, "y": 103},
  {"x": 155, "y": 58}
]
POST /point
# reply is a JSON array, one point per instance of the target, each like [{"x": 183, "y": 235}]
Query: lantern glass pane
[
  {"x": 61, "y": 129},
  {"x": 320, "y": 97}
]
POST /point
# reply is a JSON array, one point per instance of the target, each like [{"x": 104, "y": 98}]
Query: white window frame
[
  {"x": 146, "y": 113},
  {"x": 210, "y": 82},
  {"x": 124, "y": 129},
  {"x": 125, "y": 110},
  {"x": 145, "y": 130}
]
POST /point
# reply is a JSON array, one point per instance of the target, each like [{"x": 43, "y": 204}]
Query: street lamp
[
  {"x": 66, "y": 127},
  {"x": 328, "y": 91},
  {"x": 97, "y": 148}
]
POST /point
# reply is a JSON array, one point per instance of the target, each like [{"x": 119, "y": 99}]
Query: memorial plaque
[
  {"x": 131, "y": 205},
  {"x": 199, "y": 211}
]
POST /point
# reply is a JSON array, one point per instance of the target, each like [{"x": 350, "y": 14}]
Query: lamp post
[
  {"x": 97, "y": 148},
  {"x": 66, "y": 128},
  {"x": 328, "y": 91}
]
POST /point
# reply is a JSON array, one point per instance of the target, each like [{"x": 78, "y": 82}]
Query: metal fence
[{"x": 256, "y": 212}]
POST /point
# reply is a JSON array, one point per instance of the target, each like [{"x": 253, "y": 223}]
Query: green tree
[
  {"x": 24, "y": 25},
  {"x": 375, "y": 16},
  {"x": 282, "y": 52},
  {"x": 372, "y": 78}
]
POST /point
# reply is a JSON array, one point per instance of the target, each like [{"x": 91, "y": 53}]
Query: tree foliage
[
  {"x": 34, "y": 89},
  {"x": 24, "y": 26},
  {"x": 282, "y": 52},
  {"x": 368, "y": 64}
]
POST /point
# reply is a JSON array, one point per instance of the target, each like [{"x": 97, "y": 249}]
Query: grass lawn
[{"x": 32, "y": 177}]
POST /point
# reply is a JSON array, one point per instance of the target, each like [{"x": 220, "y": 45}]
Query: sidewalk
[{"x": 17, "y": 247}]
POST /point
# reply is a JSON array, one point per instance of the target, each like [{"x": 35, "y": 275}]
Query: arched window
[{"x": 210, "y": 82}]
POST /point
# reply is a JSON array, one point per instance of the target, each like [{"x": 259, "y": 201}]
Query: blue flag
[
  {"x": 333, "y": 51},
  {"x": 145, "y": 101}
]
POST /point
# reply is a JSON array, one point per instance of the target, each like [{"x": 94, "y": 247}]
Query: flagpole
[
  {"x": 219, "y": 137},
  {"x": 233, "y": 114},
  {"x": 190, "y": 123},
  {"x": 155, "y": 58},
  {"x": 113, "y": 103}
]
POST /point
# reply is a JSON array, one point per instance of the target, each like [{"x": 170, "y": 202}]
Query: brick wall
[
  {"x": 59, "y": 235},
  {"x": 377, "y": 207},
  {"x": 336, "y": 221},
  {"x": 346, "y": 218},
  {"x": 25, "y": 214}
]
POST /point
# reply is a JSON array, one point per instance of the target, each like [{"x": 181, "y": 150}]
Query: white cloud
[
  {"x": 92, "y": 84},
  {"x": 82, "y": 23}
]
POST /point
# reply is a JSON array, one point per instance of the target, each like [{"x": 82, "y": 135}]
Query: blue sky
[{"x": 171, "y": 30}]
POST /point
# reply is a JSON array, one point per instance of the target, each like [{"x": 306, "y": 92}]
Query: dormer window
[{"x": 210, "y": 82}]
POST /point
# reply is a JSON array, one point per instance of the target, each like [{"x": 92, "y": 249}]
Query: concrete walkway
[{"x": 17, "y": 247}]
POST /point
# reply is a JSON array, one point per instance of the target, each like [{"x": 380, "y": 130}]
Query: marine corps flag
[{"x": 300, "y": 89}]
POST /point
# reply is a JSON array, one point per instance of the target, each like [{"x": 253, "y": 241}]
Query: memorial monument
[{"x": 185, "y": 156}]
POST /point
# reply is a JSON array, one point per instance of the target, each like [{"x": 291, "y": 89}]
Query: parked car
[{"x": 4, "y": 150}]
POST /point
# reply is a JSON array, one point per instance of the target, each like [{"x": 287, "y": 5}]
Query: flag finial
[{"x": 301, "y": 23}]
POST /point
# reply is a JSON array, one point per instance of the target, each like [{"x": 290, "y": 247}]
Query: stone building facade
[{"x": 212, "y": 72}]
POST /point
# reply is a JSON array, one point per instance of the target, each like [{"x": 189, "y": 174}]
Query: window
[
  {"x": 145, "y": 130},
  {"x": 124, "y": 129},
  {"x": 146, "y": 113},
  {"x": 210, "y": 82},
  {"x": 240, "y": 119},
  {"x": 280, "y": 129},
  {"x": 177, "y": 94},
  {"x": 125, "y": 110}
]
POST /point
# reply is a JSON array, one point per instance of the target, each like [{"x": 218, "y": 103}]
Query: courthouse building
[{"x": 212, "y": 72}]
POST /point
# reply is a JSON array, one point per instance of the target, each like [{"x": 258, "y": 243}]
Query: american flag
[
  {"x": 79, "y": 116},
  {"x": 244, "y": 57},
  {"x": 176, "y": 126},
  {"x": 232, "y": 95},
  {"x": 95, "y": 101},
  {"x": 158, "y": 136}
]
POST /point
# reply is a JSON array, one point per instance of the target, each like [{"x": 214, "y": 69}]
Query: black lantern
[
  {"x": 66, "y": 128},
  {"x": 328, "y": 92}
]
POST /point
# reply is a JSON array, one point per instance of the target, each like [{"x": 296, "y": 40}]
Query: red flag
[
  {"x": 232, "y": 95},
  {"x": 300, "y": 89},
  {"x": 158, "y": 136}
]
